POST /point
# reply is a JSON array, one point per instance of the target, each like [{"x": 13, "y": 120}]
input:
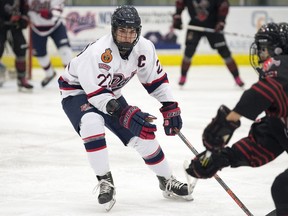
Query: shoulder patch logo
[{"x": 107, "y": 57}]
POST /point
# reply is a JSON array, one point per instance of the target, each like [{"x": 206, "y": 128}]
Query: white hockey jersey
[
  {"x": 41, "y": 25},
  {"x": 100, "y": 72}
]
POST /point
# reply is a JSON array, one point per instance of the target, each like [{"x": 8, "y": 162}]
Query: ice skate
[
  {"x": 182, "y": 80},
  {"x": 238, "y": 81},
  {"x": 174, "y": 189},
  {"x": 23, "y": 84},
  {"x": 48, "y": 79},
  {"x": 107, "y": 191},
  {"x": 2, "y": 74}
]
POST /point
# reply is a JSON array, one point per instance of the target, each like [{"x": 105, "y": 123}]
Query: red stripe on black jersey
[
  {"x": 274, "y": 92},
  {"x": 254, "y": 152}
]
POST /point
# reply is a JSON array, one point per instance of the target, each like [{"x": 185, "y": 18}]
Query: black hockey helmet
[
  {"x": 126, "y": 16},
  {"x": 267, "y": 37},
  {"x": 283, "y": 30}
]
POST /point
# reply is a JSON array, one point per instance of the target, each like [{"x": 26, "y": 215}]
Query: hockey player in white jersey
[
  {"x": 92, "y": 99},
  {"x": 45, "y": 16}
]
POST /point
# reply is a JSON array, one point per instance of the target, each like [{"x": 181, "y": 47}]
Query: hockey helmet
[
  {"x": 283, "y": 30},
  {"x": 126, "y": 16},
  {"x": 267, "y": 43}
]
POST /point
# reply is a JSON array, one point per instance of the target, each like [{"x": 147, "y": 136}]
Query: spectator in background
[
  {"x": 209, "y": 14},
  {"x": 13, "y": 19},
  {"x": 46, "y": 22}
]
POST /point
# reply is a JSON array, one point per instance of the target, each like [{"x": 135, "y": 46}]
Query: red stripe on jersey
[
  {"x": 262, "y": 93},
  {"x": 93, "y": 137}
]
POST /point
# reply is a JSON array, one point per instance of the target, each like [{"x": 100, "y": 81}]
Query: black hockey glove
[
  {"x": 219, "y": 26},
  {"x": 201, "y": 167},
  {"x": 177, "y": 21},
  {"x": 218, "y": 133},
  {"x": 138, "y": 122},
  {"x": 172, "y": 119},
  {"x": 23, "y": 22}
]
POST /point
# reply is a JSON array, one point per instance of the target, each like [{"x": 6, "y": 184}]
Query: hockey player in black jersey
[
  {"x": 13, "y": 19},
  {"x": 268, "y": 136},
  {"x": 209, "y": 14}
]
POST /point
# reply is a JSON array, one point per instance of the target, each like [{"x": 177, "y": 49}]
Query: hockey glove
[
  {"x": 137, "y": 122},
  {"x": 202, "y": 168},
  {"x": 218, "y": 133},
  {"x": 172, "y": 119},
  {"x": 23, "y": 23},
  {"x": 219, "y": 26},
  {"x": 177, "y": 21},
  {"x": 45, "y": 13}
]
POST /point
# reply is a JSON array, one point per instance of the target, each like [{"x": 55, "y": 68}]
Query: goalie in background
[
  {"x": 45, "y": 17},
  {"x": 268, "y": 136},
  {"x": 209, "y": 14},
  {"x": 91, "y": 97},
  {"x": 13, "y": 19}
]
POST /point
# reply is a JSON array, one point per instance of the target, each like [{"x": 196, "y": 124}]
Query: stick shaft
[
  {"x": 210, "y": 30},
  {"x": 218, "y": 179}
]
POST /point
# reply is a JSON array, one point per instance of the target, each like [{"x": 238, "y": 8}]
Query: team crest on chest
[{"x": 107, "y": 57}]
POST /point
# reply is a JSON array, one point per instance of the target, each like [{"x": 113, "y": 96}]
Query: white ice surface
[{"x": 44, "y": 170}]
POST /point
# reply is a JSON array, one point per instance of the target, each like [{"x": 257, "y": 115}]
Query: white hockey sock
[
  {"x": 66, "y": 54},
  {"x": 45, "y": 63},
  {"x": 92, "y": 131},
  {"x": 153, "y": 156}
]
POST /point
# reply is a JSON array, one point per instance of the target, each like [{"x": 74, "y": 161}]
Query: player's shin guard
[{"x": 22, "y": 81}]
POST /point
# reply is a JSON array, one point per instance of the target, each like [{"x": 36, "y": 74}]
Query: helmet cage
[
  {"x": 126, "y": 17},
  {"x": 267, "y": 37}
]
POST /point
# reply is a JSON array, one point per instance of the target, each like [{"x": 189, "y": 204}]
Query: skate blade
[
  {"x": 109, "y": 205},
  {"x": 25, "y": 90},
  {"x": 173, "y": 196}
]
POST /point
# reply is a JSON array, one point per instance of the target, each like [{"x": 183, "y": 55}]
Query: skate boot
[
  {"x": 174, "y": 189},
  {"x": 23, "y": 84},
  {"x": 182, "y": 80},
  {"x": 239, "y": 81},
  {"x": 107, "y": 191},
  {"x": 48, "y": 79},
  {"x": 2, "y": 74}
]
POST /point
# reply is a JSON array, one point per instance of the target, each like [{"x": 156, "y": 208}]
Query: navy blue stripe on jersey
[
  {"x": 44, "y": 28},
  {"x": 95, "y": 143},
  {"x": 154, "y": 158},
  {"x": 63, "y": 85},
  {"x": 99, "y": 92},
  {"x": 274, "y": 92},
  {"x": 150, "y": 87}
]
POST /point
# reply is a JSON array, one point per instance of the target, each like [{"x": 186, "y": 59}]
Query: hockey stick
[
  {"x": 210, "y": 30},
  {"x": 218, "y": 179}
]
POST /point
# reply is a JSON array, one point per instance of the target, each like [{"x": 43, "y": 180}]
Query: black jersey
[
  {"x": 10, "y": 7},
  {"x": 205, "y": 13},
  {"x": 269, "y": 94}
]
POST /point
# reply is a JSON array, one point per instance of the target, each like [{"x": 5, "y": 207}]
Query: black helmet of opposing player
[
  {"x": 283, "y": 30},
  {"x": 267, "y": 43},
  {"x": 126, "y": 16}
]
